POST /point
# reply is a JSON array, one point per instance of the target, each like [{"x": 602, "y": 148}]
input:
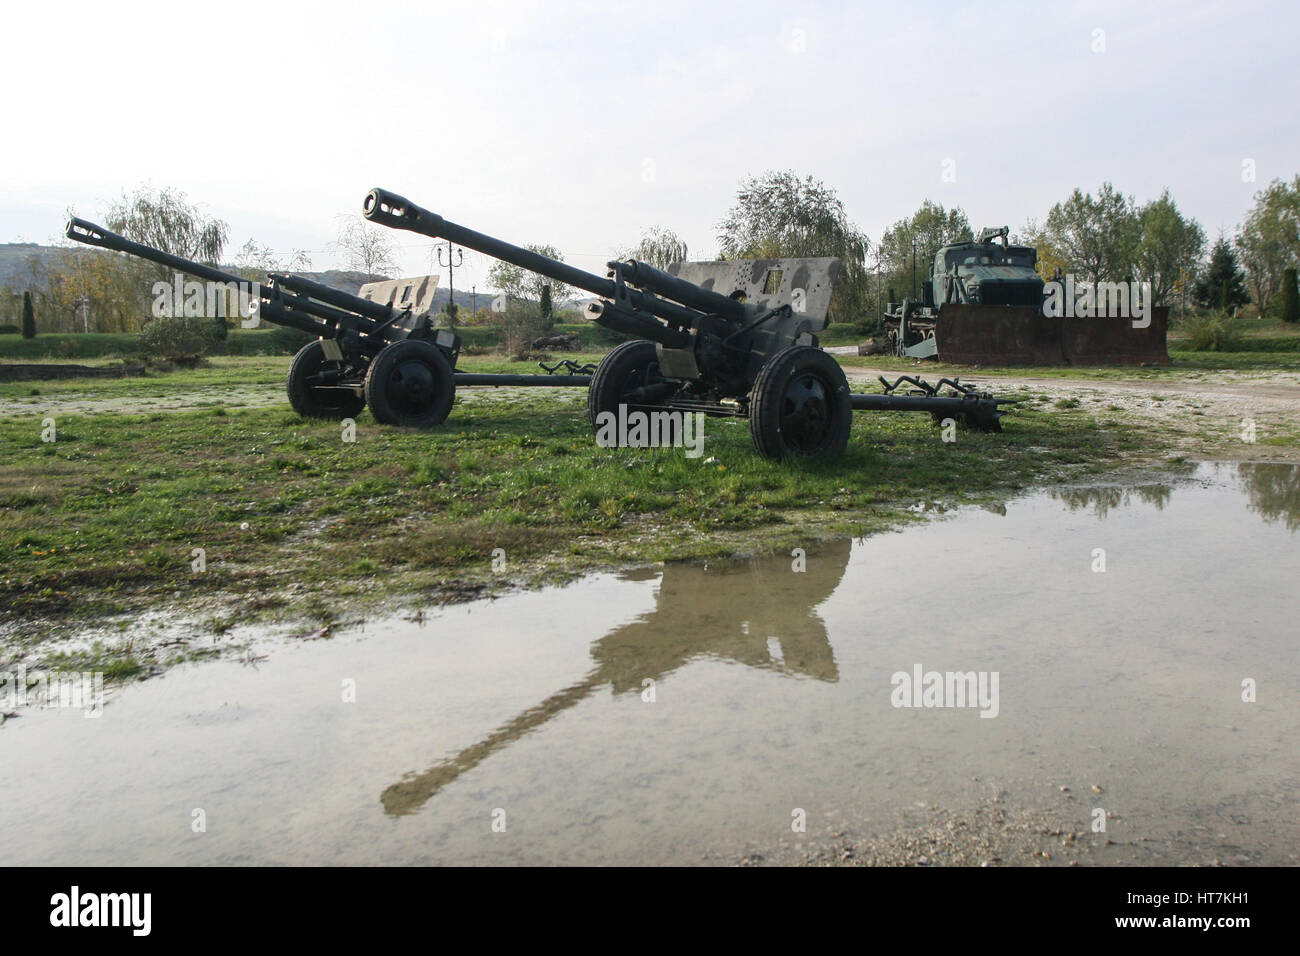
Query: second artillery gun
[
  {"x": 730, "y": 338},
  {"x": 379, "y": 349}
]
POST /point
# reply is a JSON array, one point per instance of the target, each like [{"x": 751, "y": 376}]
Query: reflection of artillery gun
[{"x": 765, "y": 601}]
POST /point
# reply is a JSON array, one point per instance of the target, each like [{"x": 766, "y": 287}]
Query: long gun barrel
[
  {"x": 626, "y": 309},
  {"x": 284, "y": 300},
  {"x": 292, "y": 311}
]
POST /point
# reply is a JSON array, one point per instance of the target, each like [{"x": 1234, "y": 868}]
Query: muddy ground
[{"x": 1193, "y": 403}]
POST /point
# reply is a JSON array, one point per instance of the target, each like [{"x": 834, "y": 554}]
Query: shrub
[
  {"x": 289, "y": 340},
  {"x": 546, "y": 309},
  {"x": 1290, "y": 297},
  {"x": 66, "y": 348},
  {"x": 29, "y": 317},
  {"x": 1212, "y": 333},
  {"x": 178, "y": 337},
  {"x": 520, "y": 324},
  {"x": 8, "y": 330}
]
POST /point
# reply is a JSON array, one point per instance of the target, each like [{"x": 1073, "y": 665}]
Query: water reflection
[
  {"x": 1102, "y": 500},
  {"x": 756, "y": 612},
  {"x": 1274, "y": 491}
]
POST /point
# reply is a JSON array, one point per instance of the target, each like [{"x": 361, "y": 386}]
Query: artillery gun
[
  {"x": 379, "y": 349},
  {"x": 747, "y": 351},
  {"x": 730, "y": 338}
]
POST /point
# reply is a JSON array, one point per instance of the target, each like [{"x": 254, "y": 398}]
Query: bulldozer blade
[
  {"x": 998, "y": 335},
  {"x": 1114, "y": 341},
  {"x": 1022, "y": 335}
]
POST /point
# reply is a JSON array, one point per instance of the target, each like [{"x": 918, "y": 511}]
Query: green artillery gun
[
  {"x": 379, "y": 349},
  {"x": 730, "y": 338}
]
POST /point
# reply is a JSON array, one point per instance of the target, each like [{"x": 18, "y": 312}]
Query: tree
[
  {"x": 1290, "y": 297},
  {"x": 1224, "y": 284},
  {"x": 254, "y": 261},
  {"x": 545, "y": 309},
  {"x": 368, "y": 247},
  {"x": 29, "y": 317},
  {"x": 518, "y": 283},
  {"x": 779, "y": 215},
  {"x": 1269, "y": 241},
  {"x": 1169, "y": 248},
  {"x": 1050, "y": 259},
  {"x": 917, "y": 238},
  {"x": 658, "y": 247},
  {"x": 1098, "y": 236},
  {"x": 166, "y": 221}
]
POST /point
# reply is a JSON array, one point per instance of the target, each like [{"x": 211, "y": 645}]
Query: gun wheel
[
  {"x": 308, "y": 370},
  {"x": 410, "y": 383},
  {"x": 800, "y": 406},
  {"x": 620, "y": 377}
]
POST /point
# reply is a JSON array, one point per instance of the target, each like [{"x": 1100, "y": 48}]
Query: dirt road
[{"x": 1199, "y": 404}]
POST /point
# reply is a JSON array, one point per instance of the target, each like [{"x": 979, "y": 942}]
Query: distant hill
[
  {"x": 15, "y": 255},
  {"x": 13, "y": 260}
]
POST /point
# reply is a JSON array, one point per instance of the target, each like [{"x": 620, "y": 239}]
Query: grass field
[
  {"x": 295, "y": 521},
  {"x": 298, "y": 525}
]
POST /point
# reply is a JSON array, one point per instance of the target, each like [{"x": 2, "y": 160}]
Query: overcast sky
[{"x": 580, "y": 124}]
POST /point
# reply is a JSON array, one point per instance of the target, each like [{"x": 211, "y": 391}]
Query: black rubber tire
[
  {"x": 410, "y": 383},
  {"x": 800, "y": 406},
  {"x": 624, "y": 368},
  {"x": 311, "y": 402}
]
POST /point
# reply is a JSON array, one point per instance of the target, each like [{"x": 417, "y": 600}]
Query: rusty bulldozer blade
[{"x": 1002, "y": 335}]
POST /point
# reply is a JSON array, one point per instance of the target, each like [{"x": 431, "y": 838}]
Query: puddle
[{"x": 772, "y": 692}]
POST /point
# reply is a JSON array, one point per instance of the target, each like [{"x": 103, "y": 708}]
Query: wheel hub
[
  {"x": 805, "y": 413},
  {"x": 410, "y": 385}
]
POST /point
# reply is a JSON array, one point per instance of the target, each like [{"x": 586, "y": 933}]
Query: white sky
[{"x": 591, "y": 121}]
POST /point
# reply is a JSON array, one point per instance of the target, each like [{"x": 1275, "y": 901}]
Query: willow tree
[{"x": 781, "y": 215}]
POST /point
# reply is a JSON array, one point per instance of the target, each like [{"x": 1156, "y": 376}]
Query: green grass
[
  {"x": 297, "y": 524},
  {"x": 105, "y": 519}
]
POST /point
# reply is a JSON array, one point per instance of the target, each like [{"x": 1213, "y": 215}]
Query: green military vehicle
[
  {"x": 975, "y": 273},
  {"x": 983, "y": 305}
]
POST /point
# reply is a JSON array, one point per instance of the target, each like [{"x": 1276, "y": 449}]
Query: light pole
[
  {"x": 914, "y": 268},
  {"x": 455, "y": 258}
]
